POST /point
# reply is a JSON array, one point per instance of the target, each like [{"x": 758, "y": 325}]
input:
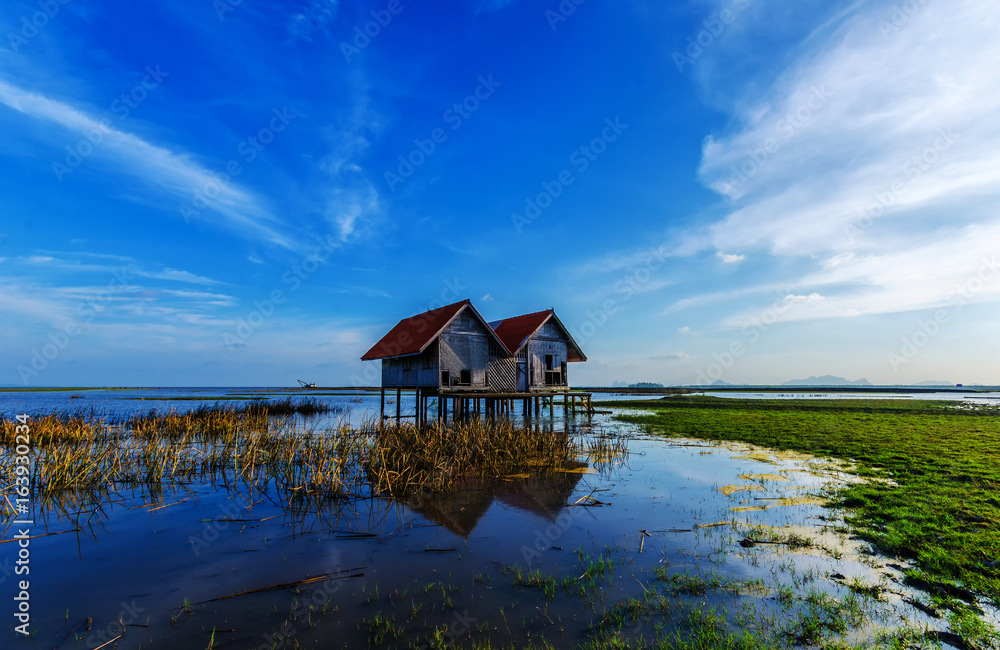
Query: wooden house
[
  {"x": 451, "y": 347},
  {"x": 454, "y": 349},
  {"x": 541, "y": 348}
]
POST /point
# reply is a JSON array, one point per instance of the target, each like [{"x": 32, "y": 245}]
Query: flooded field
[{"x": 626, "y": 541}]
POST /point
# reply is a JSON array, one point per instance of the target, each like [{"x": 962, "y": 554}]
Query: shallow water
[
  {"x": 359, "y": 404},
  {"x": 513, "y": 560}
]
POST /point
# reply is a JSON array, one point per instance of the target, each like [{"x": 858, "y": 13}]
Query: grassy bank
[{"x": 941, "y": 506}]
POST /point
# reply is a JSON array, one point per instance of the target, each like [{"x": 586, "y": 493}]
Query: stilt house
[
  {"x": 453, "y": 348},
  {"x": 541, "y": 346}
]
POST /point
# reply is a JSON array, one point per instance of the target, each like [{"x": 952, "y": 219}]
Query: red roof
[
  {"x": 412, "y": 335},
  {"x": 515, "y": 331}
]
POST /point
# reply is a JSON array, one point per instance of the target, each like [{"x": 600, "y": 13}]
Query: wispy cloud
[
  {"x": 130, "y": 265},
  {"x": 675, "y": 356},
  {"x": 311, "y": 18},
  {"x": 870, "y": 163},
  {"x": 865, "y": 112},
  {"x": 174, "y": 174},
  {"x": 352, "y": 201}
]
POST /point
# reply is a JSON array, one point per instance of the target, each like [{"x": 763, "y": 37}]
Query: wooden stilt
[{"x": 382, "y": 405}]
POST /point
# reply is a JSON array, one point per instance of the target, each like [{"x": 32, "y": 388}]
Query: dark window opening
[
  {"x": 554, "y": 375},
  {"x": 465, "y": 378},
  {"x": 445, "y": 378}
]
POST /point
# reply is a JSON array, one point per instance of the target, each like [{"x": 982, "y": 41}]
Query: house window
[
  {"x": 548, "y": 362},
  {"x": 445, "y": 378},
  {"x": 466, "y": 378}
]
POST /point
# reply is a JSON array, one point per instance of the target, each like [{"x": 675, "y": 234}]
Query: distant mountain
[
  {"x": 719, "y": 382},
  {"x": 827, "y": 380},
  {"x": 934, "y": 383}
]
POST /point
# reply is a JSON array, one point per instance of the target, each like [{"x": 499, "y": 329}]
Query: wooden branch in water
[{"x": 288, "y": 585}]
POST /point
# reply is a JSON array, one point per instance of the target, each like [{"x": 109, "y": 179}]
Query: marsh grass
[
  {"x": 408, "y": 459},
  {"x": 266, "y": 444}
]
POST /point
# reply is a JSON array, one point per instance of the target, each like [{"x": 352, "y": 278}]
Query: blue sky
[{"x": 246, "y": 193}]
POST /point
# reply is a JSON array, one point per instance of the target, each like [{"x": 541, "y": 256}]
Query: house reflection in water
[{"x": 541, "y": 494}]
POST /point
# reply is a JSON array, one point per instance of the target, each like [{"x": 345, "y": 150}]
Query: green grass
[{"x": 941, "y": 506}]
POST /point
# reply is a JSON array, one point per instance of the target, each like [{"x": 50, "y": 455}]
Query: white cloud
[
  {"x": 676, "y": 356},
  {"x": 685, "y": 330},
  {"x": 353, "y": 201},
  {"x": 730, "y": 259},
  {"x": 174, "y": 174},
  {"x": 872, "y": 159},
  {"x": 129, "y": 267}
]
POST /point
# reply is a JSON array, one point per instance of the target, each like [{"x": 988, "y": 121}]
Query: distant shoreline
[{"x": 666, "y": 390}]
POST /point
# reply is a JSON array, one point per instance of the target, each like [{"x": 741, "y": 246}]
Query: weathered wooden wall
[
  {"x": 410, "y": 372},
  {"x": 548, "y": 340},
  {"x": 465, "y": 346}
]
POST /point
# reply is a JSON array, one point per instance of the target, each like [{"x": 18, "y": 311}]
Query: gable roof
[
  {"x": 412, "y": 335},
  {"x": 515, "y": 332}
]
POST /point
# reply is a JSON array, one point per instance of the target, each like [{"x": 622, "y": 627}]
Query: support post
[
  {"x": 382, "y": 406},
  {"x": 399, "y": 395}
]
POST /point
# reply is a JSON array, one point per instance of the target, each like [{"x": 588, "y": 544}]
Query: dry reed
[{"x": 262, "y": 444}]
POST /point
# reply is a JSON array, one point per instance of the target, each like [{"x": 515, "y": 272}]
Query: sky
[{"x": 240, "y": 193}]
